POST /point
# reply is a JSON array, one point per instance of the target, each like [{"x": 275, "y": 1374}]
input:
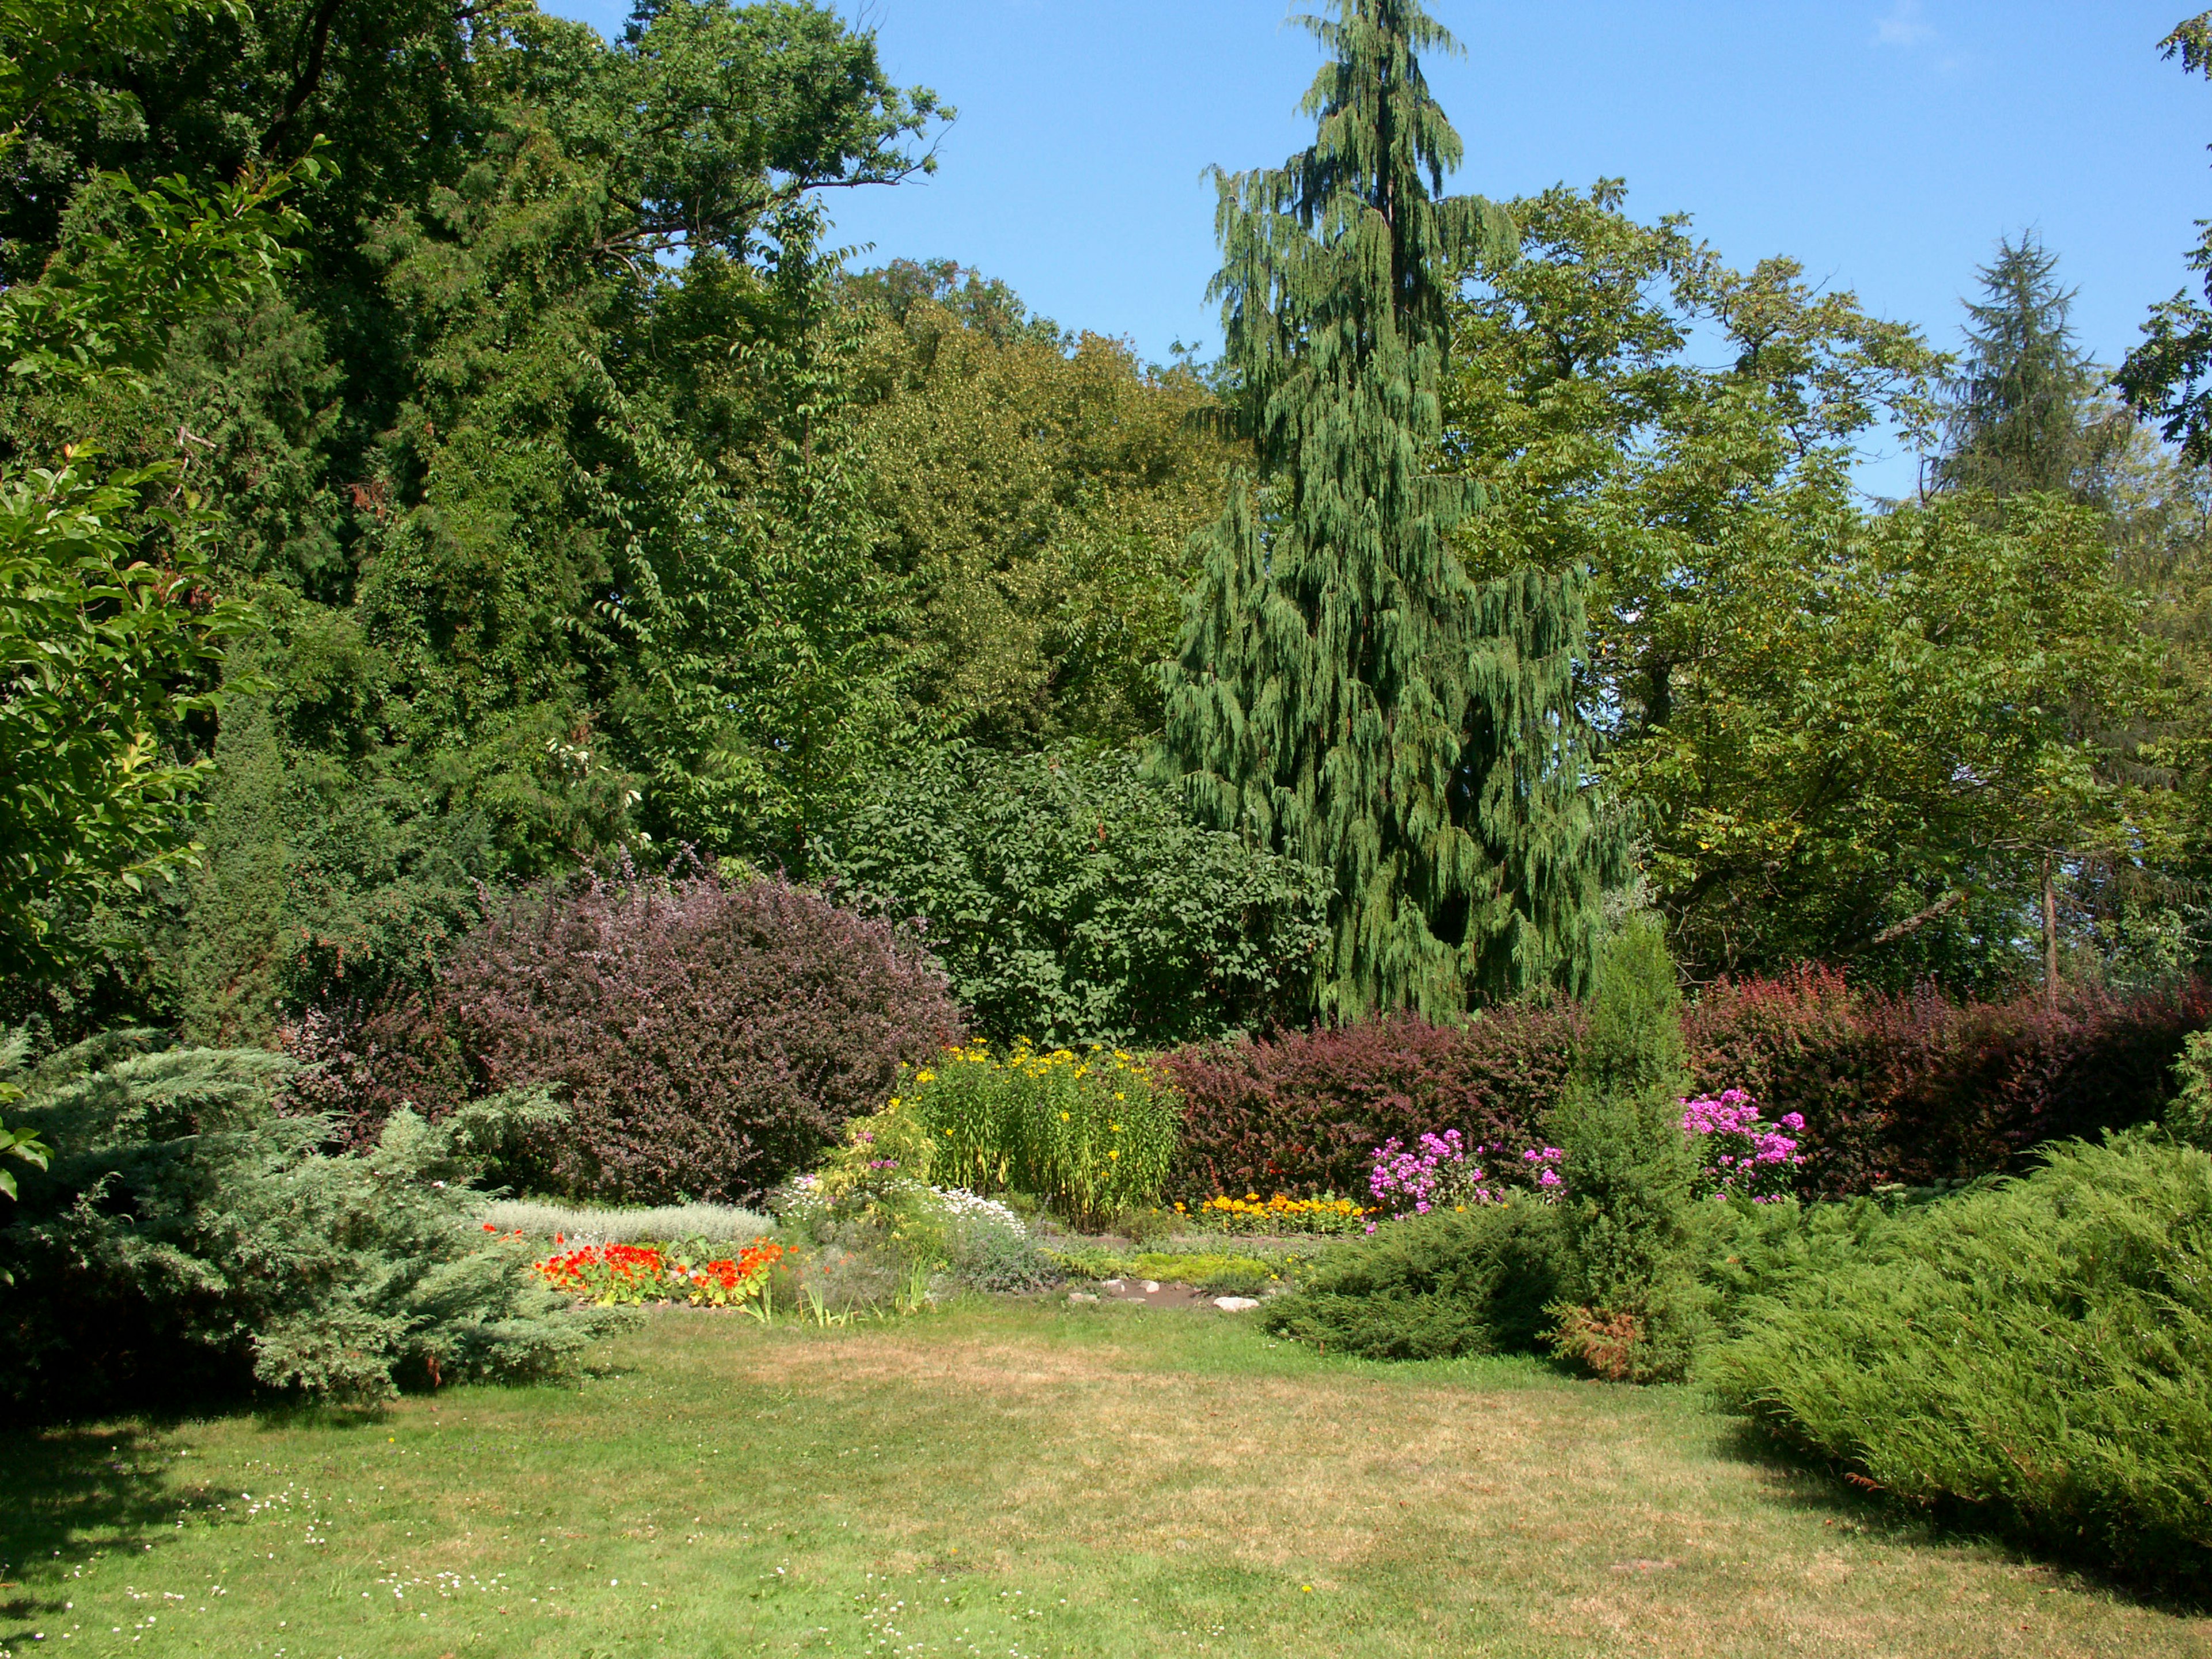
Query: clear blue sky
[{"x": 1884, "y": 143}]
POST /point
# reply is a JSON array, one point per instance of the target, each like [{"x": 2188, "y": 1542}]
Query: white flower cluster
[{"x": 965, "y": 1205}]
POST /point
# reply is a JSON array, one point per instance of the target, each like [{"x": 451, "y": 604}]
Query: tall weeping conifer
[{"x": 1343, "y": 691}]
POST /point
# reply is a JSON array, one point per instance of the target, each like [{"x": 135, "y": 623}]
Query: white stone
[
  {"x": 1081, "y": 1296},
  {"x": 1109, "y": 1284},
  {"x": 1236, "y": 1304},
  {"x": 1151, "y": 1286}
]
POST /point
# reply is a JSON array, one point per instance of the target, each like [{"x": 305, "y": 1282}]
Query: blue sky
[{"x": 1884, "y": 143}]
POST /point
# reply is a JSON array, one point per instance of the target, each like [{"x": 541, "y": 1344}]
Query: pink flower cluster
[
  {"x": 1442, "y": 1171},
  {"x": 1438, "y": 1171},
  {"x": 1742, "y": 1155}
]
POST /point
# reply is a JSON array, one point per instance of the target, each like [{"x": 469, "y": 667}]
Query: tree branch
[
  {"x": 1912, "y": 924},
  {"x": 309, "y": 77}
]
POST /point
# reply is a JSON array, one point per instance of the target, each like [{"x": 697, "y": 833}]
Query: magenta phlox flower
[{"x": 1742, "y": 1155}]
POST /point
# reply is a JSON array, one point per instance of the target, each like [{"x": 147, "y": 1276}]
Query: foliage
[
  {"x": 2077, "y": 1413},
  {"x": 2190, "y": 1116},
  {"x": 1850, "y": 735},
  {"x": 1092, "y": 1133},
  {"x": 2018, "y": 413},
  {"x": 709, "y": 1036},
  {"x": 1451, "y": 1282},
  {"x": 1072, "y": 901},
  {"x": 541, "y": 455},
  {"x": 2162, "y": 377},
  {"x": 1343, "y": 691},
  {"x": 1918, "y": 1089},
  {"x": 1300, "y": 1112},
  {"x": 1629, "y": 1294},
  {"x": 1037, "y": 492},
  {"x": 187, "y": 1238}
]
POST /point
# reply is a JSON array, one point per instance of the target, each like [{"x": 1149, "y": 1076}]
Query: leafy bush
[
  {"x": 1071, "y": 900},
  {"x": 2039, "y": 1352},
  {"x": 1630, "y": 1306},
  {"x": 1092, "y": 1133},
  {"x": 188, "y": 1238},
  {"x": 1450, "y": 1282},
  {"x": 708, "y": 1036},
  {"x": 1301, "y": 1113}
]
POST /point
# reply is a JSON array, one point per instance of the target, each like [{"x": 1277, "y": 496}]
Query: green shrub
[
  {"x": 188, "y": 1239},
  {"x": 1453, "y": 1282},
  {"x": 1092, "y": 1133},
  {"x": 1630, "y": 1306},
  {"x": 2190, "y": 1114},
  {"x": 2039, "y": 1352},
  {"x": 1069, "y": 899}
]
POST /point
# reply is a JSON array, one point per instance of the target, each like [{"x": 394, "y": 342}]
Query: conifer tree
[
  {"x": 1343, "y": 691},
  {"x": 2018, "y": 411}
]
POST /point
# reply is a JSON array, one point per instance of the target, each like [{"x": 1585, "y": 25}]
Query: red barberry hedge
[
  {"x": 1298, "y": 1113},
  {"x": 1912, "y": 1088}
]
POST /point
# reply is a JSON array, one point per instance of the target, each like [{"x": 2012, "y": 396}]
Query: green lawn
[{"x": 998, "y": 1481}]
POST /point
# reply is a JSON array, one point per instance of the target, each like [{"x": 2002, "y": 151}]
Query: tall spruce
[
  {"x": 2020, "y": 409},
  {"x": 1343, "y": 691}
]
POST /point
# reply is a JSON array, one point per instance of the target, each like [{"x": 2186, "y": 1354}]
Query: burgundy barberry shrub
[
  {"x": 1300, "y": 1112},
  {"x": 709, "y": 1037},
  {"x": 1915, "y": 1088}
]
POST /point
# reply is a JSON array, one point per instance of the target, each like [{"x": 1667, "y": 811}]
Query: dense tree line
[{"x": 443, "y": 453}]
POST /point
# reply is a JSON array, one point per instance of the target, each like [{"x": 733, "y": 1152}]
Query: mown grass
[{"x": 1010, "y": 1480}]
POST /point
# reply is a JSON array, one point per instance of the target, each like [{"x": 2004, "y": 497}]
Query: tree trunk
[{"x": 2050, "y": 937}]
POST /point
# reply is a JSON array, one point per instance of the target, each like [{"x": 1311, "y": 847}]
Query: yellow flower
[
  {"x": 1113, "y": 1154},
  {"x": 1118, "y": 1095},
  {"x": 1063, "y": 1117}
]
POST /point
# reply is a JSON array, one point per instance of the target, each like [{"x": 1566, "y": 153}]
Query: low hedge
[{"x": 1913, "y": 1089}]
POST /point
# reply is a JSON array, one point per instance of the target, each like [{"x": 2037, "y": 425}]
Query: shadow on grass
[
  {"x": 74, "y": 1490},
  {"x": 1813, "y": 1487}
]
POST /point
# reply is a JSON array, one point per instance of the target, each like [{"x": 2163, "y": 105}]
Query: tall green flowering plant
[{"x": 1091, "y": 1133}]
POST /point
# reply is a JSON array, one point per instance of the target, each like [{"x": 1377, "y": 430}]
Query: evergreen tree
[
  {"x": 1344, "y": 691},
  {"x": 1633, "y": 1309},
  {"x": 2019, "y": 410}
]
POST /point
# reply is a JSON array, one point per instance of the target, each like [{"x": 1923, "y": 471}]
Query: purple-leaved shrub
[{"x": 708, "y": 1037}]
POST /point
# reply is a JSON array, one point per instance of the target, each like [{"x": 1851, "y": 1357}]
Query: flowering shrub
[
  {"x": 627, "y": 1275},
  {"x": 1440, "y": 1172},
  {"x": 1278, "y": 1215},
  {"x": 1740, "y": 1153},
  {"x": 1092, "y": 1133}
]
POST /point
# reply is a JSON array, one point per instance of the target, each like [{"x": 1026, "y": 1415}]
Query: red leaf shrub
[
  {"x": 364, "y": 1063},
  {"x": 1912, "y": 1088},
  {"x": 1299, "y": 1113},
  {"x": 709, "y": 1037},
  {"x": 1918, "y": 1089}
]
